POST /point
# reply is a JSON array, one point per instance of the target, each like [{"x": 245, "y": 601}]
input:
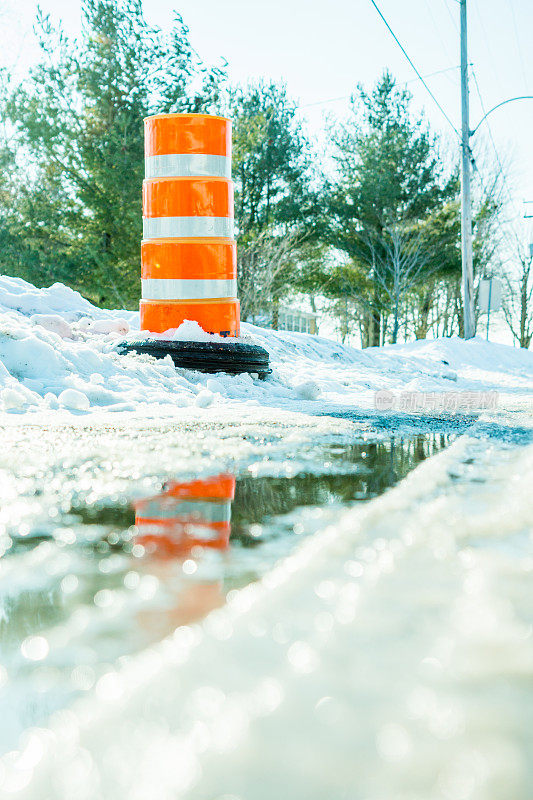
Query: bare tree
[
  {"x": 518, "y": 298},
  {"x": 261, "y": 261},
  {"x": 399, "y": 260}
]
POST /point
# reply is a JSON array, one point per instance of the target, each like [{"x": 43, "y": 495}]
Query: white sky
[{"x": 322, "y": 50}]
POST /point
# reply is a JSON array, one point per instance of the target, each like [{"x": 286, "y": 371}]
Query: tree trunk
[
  {"x": 275, "y": 315},
  {"x": 524, "y": 339},
  {"x": 384, "y": 328},
  {"x": 458, "y": 310},
  {"x": 396, "y": 323},
  {"x": 344, "y": 320},
  {"x": 423, "y": 319},
  {"x": 375, "y": 328},
  {"x": 364, "y": 320}
]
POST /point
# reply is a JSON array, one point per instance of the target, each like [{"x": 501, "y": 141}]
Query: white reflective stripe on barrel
[
  {"x": 187, "y": 289},
  {"x": 194, "y": 512},
  {"x": 187, "y": 227},
  {"x": 185, "y": 165}
]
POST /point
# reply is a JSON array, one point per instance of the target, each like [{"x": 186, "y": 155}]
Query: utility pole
[{"x": 466, "y": 201}]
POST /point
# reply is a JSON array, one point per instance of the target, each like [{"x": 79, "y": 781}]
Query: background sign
[{"x": 490, "y": 291}]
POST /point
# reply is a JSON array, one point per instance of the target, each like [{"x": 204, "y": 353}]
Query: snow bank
[
  {"x": 53, "y": 341},
  {"x": 20, "y": 296}
]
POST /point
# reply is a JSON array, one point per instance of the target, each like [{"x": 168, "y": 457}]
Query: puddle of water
[{"x": 114, "y": 579}]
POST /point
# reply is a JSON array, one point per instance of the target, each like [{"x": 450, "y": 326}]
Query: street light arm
[{"x": 503, "y": 103}]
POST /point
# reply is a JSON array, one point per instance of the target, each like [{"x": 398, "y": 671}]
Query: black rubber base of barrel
[{"x": 204, "y": 356}]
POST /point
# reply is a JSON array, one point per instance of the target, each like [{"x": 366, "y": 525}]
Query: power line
[
  {"x": 437, "y": 72},
  {"x": 404, "y": 51},
  {"x": 454, "y": 21},
  {"x": 323, "y": 102},
  {"x": 520, "y": 54},
  {"x": 501, "y": 170},
  {"x": 347, "y": 96},
  {"x": 478, "y": 90},
  {"x": 439, "y": 34},
  {"x": 490, "y": 54}
]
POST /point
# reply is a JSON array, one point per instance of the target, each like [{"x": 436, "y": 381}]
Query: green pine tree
[
  {"x": 79, "y": 119},
  {"x": 389, "y": 174}
]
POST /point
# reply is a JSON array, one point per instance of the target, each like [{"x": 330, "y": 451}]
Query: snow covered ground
[
  {"x": 389, "y": 657},
  {"x": 56, "y": 354}
]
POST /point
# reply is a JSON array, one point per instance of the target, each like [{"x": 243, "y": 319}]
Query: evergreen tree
[
  {"x": 272, "y": 170},
  {"x": 271, "y": 158},
  {"x": 389, "y": 176},
  {"x": 79, "y": 117}
]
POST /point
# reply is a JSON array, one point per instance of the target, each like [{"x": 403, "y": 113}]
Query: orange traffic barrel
[
  {"x": 188, "y": 257},
  {"x": 175, "y": 208},
  {"x": 188, "y": 252},
  {"x": 178, "y": 145},
  {"x": 186, "y": 515}
]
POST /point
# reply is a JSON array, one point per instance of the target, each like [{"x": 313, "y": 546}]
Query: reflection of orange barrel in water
[
  {"x": 188, "y": 255},
  {"x": 187, "y": 515}
]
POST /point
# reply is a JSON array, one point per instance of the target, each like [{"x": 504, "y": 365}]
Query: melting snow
[{"x": 54, "y": 341}]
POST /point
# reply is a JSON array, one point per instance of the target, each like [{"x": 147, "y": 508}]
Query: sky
[{"x": 322, "y": 50}]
